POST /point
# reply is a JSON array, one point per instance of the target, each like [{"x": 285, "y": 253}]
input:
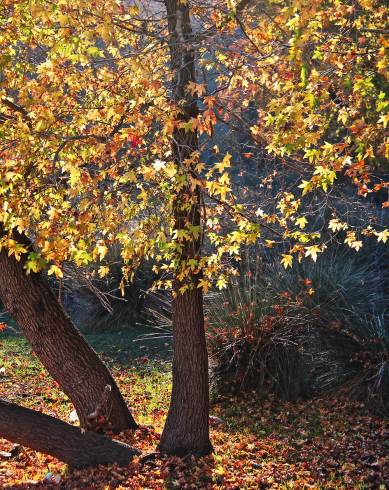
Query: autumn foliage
[{"x": 184, "y": 134}]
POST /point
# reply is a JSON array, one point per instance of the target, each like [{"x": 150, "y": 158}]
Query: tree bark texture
[
  {"x": 63, "y": 441},
  {"x": 187, "y": 426},
  {"x": 61, "y": 348}
]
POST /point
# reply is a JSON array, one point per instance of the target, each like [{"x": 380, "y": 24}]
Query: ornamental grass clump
[{"x": 316, "y": 328}]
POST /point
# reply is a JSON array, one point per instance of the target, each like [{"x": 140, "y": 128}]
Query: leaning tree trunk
[
  {"x": 63, "y": 441},
  {"x": 187, "y": 425},
  {"x": 60, "y": 347}
]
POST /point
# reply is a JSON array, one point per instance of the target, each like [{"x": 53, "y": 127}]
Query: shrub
[
  {"x": 358, "y": 360},
  {"x": 97, "y": 304},
  {"x": 256, "y": 336},
  {"x": 313, "y": 328}
]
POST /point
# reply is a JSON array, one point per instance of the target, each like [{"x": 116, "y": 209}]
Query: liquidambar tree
[
  {"x": 187, "y": 426},
  {"x": 59, "y": 345},
  {"x": 103, "y": 142}
]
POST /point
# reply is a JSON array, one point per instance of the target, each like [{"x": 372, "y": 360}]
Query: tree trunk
[
  {"x": 187, "y": 425},
  {"x": 60, "y": 347},
  {"x": 63, "y": 441}
]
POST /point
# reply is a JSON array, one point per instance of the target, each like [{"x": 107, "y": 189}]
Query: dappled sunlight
[{"x": 323, "y": 443}]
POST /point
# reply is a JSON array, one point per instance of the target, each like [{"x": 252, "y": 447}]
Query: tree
[
  {"x": 60, "y": 346},
  {"x": 187, "y": 426},
  {"x": 63, "y": 441},
  {"x": 102, "y": 143}
]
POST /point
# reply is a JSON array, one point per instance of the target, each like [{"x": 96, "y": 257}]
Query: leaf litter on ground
[{"x": 330, "y": 443}]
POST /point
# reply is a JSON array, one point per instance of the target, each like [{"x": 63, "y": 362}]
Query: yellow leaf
[
  {"x": 225, "y": 178},
  {"x": 183, "y": 288},
  {"x": 128, "y": 177},
  {"x": 301, "y": 222},
  {"x": 103, "y": 271},
  {"x": 287, "y": 260},
  {"x": 102, "y": 250},
  {"x": 312, "y": 252},
  {"x": 384, "y": 119},
  {"x": 223, "y": 164},
  {"x": 200, "y": 167},
  {"x": 54, "y": 269},
  {"x": 336, "y": 225},
  {"x": 221, "y": 282},
  {"x": 382, "y": 236},
  {"x": 306, "y": 186},
  {"x": 204, "y": 284},
  {"x": 269, "y": 243}
]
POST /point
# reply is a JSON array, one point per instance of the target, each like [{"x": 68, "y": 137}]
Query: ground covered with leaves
[{"x": 320, "y": 444}]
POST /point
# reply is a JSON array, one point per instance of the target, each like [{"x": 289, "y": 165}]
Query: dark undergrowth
[{"x": 307, "y": 331}]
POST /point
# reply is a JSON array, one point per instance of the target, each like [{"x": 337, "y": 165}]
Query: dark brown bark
[
  {"x": 187, "y": 425},
  {"x": 60, "y": 347},
  {"x": 65, "y": 442}
]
